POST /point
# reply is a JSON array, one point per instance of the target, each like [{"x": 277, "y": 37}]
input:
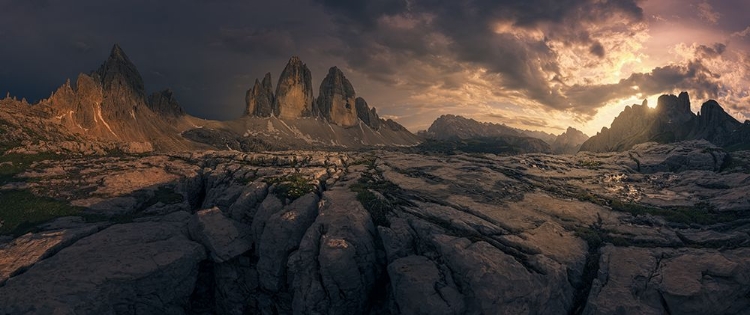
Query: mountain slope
[
  {"x": 451, "y": 133},
  {"x": 109, "y": 108},
  {"x": 569, "y": 142},
  {"x": 454, "y": 130}
]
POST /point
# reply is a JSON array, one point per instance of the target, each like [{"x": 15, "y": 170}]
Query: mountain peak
[
  {"x": 165, "y": 104},
  {"x": 119, "y": 70},
  {"x": 118, "y": 53},
  {"x": 294, "y": 93},
  {"x": 337, "y": 99},
  {"x": 295, "y": 60}
]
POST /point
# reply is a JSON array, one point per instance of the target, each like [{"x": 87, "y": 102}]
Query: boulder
[
  {"x": 670, "y": 281},
  {"x": 23, "y": 252},
  {"x": 281, "y": 235},
  {"x": 337, "y": 254},
  {"x": 148, "y": 268},
  {"x": 419, "y": 287},
  {"x": 223, "y": 237}
]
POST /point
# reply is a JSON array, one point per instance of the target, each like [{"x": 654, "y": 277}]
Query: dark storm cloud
[
  {"x": 257, "y": 41},
  {"x": 211, "y": 51},
  {"x": 208, "y": 51},
  {"x": 363, "y": 13},
  {"x": 694, "y": 77},
  {"x": 597, "y": 49},
  {"x": 707, "y": 52},
  {"x": 523, "y": 64}
]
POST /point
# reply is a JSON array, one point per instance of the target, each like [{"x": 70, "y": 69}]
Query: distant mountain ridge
[
  {"x": 110, "y": 105},
  {"x": 671, "y": 121},
  {"x": 453, "y": 128}
]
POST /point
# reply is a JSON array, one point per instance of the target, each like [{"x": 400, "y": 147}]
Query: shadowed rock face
[
  {"x": 118, "y": 73},
  {"x": 294, "y": 92},
  {"x": 457, "y": 127},
  {"x": 451, "y": 132},
  {"x": 569, "y": 142},
  {"x": 336, "y": 101},
  {"x": 366, "y": 114},
  {"x": 671, "y": 121},
  {"x": 259, "y": 99},
  {"x": 165, "y": 104}
]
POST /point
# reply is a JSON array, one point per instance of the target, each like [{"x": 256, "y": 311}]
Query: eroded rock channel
[{"x": 661, "y": 229}]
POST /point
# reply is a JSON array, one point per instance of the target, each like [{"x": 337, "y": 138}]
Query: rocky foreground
[{"x": 659, "y": 229}]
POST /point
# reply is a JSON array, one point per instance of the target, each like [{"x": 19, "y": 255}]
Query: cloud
[
  {"x": 692, "y": 76},
  {"x": 742, "y": 33},
  {"x": 597, "y": 49},
  {"x": 257, "y": 41},
  {"x": 703, "y": 51},
  {"x": 707, "y": 13},
  {"x": 515, "y": 45}
]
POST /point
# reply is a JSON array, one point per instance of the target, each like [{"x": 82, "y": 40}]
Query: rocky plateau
[{"x": 657, "y": 229}]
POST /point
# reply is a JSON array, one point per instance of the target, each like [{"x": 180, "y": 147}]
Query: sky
[{"x": 534, "y": 64}]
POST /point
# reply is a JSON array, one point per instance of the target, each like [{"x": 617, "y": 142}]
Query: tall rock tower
[
  {"x": 337, "y": 99},
  {"x": 259, "y": 99},
  {"x": 294, "y": 93}
]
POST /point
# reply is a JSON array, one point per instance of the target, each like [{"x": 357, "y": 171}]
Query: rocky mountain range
[
  {"x": 113, "y": 201},
  {"x": 452, "y": 128},
  {"x": 108, "y": 109},
  {"x": 671, "y": 121}
]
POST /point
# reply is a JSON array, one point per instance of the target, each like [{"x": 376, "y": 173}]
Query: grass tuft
[
  {"x": 21, "y": 211},
  {"x": 291, "y": 186}
]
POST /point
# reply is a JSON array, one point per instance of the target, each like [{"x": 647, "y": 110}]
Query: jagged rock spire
[
  {"x": 165, "y": 104},
  {"x": 259, "y": 99},
  {"x": 368, "y": 116},
  {"x": 336, "y": 100},
  {"x": 118, "y": 70},
  {"x": 294, "y": 93}
]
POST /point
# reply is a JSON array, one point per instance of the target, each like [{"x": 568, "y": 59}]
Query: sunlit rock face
[
  {"x": 336, "y": 101},
  {"x": 294, "y": 93},
  {"x": 259, "y": 99}
]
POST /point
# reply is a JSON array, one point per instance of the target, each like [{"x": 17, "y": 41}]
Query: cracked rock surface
[{"x": 659, "y": 229}]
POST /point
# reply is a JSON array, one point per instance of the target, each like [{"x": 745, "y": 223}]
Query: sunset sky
[{"x": 542, "y": 65}]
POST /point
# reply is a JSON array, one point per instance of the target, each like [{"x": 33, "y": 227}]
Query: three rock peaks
[{"x": 337, "y": 102}]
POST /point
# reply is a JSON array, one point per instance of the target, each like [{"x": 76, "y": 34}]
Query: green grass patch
[
  {"x": 590, "y": 164},
  {"x": 14, "y": 163},
  {"x": 742, "y": 146},
  {"x": 21, "y": 211},
  {"x": 701, "y": 213},
  {"x": 378, "y": 196},
  {"x": 291, "y": 186}
]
